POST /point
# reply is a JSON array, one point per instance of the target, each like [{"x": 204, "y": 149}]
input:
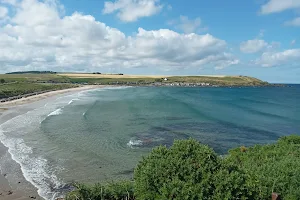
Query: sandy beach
[{"x": 9, "y": 110}]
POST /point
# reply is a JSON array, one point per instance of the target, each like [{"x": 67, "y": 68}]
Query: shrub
[
  {"x": 122, "y": 190},
  {"x": 273, "y": 167},
  {"x": 189, "y": 170}
]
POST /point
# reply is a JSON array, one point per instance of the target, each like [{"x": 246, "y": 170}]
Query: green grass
[
  {"x": 31, "y": 78},
  {"x": 16, "y": 88},
  {"x": 220, "y": 81},
  {"x": 19, "y": 84},
  {"x": 54, "y": 78},
  {"x": 112, "y": 80}
]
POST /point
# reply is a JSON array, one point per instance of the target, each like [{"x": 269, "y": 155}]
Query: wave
[
  {"x": 134, "y": 143},
  {"x": 56, "y": 112},
  {"x": 35, "y": 169},
  {"x": 70, "y": 102},
  {"x": 86, "y": 92}
]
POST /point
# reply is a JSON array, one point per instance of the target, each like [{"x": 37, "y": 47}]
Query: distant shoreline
[{"x": 29, "y": 98}]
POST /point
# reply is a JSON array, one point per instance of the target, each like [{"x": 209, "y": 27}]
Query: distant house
[{"x": 165, "y": 79}]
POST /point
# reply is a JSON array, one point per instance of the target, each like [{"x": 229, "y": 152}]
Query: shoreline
[
  {"x": 9, "y": 110},
  {"x": 33, "y": 98}
]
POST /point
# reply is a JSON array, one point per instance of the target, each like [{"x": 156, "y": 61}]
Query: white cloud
[
  {"x": 3, "y": 12},
  {"x": 294, "y": 22},
  {"x": 253, "y": 46},
  {"x": 12, "y": 2},
  {"x": 187, "y": 25},
  {"x": 275, "y": 6},
  {"x": 270, "y": 59},
  {"x": 132, "y": 10},
  {"x": 293, "y": 42},
  {"x": 261, "y": 33},
  {"x": 81, "y": 43}
]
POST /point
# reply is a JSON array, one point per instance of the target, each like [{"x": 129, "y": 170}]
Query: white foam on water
[
  {"x": 83, "y": 93},
  {"x": 35, "y": 169},
  {"x": 134, "y": 143},
  {"x": 56, "y": 112},
  {"x": 70, "y": 102}
]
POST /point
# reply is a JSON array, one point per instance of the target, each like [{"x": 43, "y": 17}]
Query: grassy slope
[
  {"x": 33, "y": 78},
  {"x": 15, "y": 89},
  {"x": 19, "y": 84},
  {"x": 215, "y": 80},
  {"x": 106, "y": 79}
]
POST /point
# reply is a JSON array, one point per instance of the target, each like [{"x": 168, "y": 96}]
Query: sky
[{"x": 259, "y": 38}]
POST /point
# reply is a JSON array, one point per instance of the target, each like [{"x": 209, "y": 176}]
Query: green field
[
  {"x": 21, "y": 84},
  {"x": 103, "y": 79},
  {"x": 144, "y": 80},
  {"x": 16, "y": 88},
  {"x": 33, "y": 78}
]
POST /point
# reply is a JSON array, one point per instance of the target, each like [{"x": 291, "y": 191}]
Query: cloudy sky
[{"x": 258, "y": 38}]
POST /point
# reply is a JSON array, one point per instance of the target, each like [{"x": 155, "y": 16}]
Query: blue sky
[{"x": 258, "y": 38}]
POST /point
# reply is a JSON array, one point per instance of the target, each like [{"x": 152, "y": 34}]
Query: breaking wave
[
  {"x": 135, "y": 143},
  {"x": 34, "y": 168},
  {"x": 70, "y": 102},
  {"x": 56, "y": 112}
]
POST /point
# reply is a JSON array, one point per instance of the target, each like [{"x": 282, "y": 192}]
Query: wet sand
[{"x": 9, "y": 110}]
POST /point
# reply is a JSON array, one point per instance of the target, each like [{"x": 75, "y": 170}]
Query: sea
[{"x": 100, "y": 135}]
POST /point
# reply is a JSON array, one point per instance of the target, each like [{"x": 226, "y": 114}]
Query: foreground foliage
[
  {"x": 275, "y": 167},
  {"x": 190, "y": 170},
  {"x": 118, "y": 191}
]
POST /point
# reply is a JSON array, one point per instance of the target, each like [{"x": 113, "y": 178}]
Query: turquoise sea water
[{"x": 100, "y": 135}]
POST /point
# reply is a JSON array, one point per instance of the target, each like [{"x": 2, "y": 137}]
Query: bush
[
  {"x": 189, "y": 170},
  {"x": 114, "y": 191},
  {"x": 273, "y": 168}
]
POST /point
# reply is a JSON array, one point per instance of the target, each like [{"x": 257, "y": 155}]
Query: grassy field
[
  {"x": 82, "y": 75},
  {"x": 15, "y": 88},
  {"x": 34, "y": 78},
  {"x": 219, "y": 80},
  {"x": 107, "y": 79},
  {"x": 20, "y": 84}
]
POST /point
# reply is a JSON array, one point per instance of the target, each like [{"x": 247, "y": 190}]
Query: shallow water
[{"x": 100, "y": 135}]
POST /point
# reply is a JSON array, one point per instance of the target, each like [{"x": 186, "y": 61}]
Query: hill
[
  {"x": 22, "y": 84},
  {"x": 210, "y": 80}
]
